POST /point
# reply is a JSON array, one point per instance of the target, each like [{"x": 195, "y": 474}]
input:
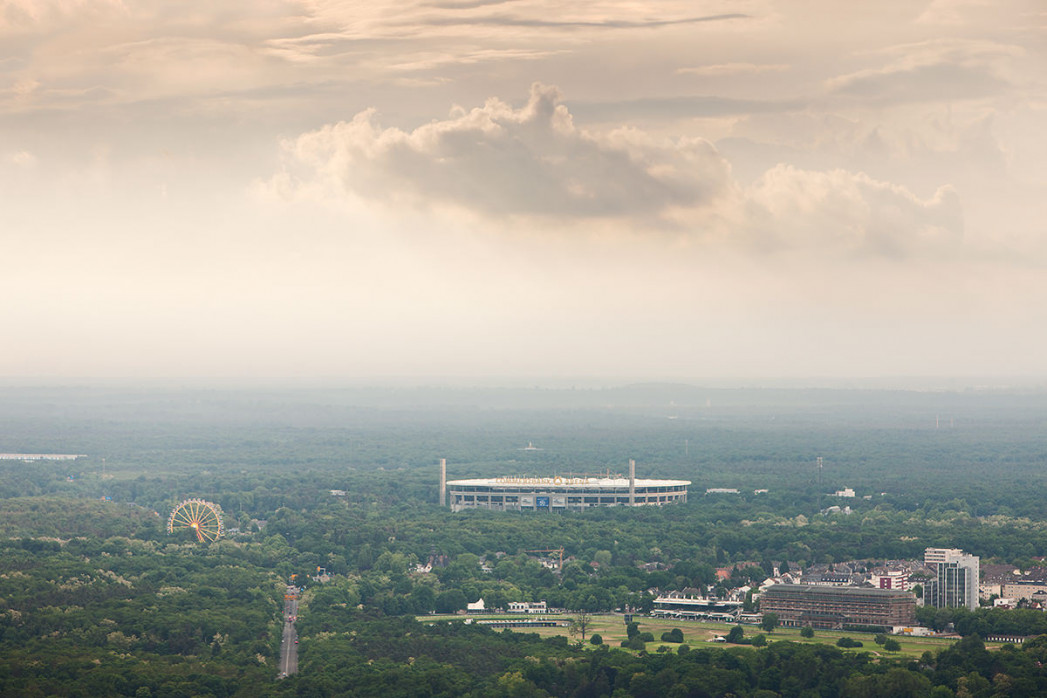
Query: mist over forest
[{"x": 907, "y": 443}]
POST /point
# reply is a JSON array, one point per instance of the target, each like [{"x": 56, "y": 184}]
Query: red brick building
[{"x": 838, "y": 607}]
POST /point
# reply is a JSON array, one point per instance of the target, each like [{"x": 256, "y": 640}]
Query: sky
[{"x": 472, "y": 188}]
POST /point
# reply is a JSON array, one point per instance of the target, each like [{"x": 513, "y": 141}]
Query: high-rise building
[{"x": 956, "y": 578}]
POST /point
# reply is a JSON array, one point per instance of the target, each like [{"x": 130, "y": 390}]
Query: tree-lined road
[{"x": 289, "y": 643}]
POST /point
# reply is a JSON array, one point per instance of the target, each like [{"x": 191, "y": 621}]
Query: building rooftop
[{"x": 814, "y": 589}]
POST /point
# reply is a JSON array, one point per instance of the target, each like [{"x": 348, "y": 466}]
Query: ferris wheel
[{"x": 201, "y": 517}]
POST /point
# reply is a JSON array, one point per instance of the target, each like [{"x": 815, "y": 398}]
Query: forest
[{"x": 96, "y": 598}]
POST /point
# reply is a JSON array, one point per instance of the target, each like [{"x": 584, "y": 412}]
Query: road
[{"x": 289, "y": 642}]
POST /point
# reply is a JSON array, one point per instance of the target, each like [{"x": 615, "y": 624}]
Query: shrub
[
  {"x": 806, "y": 631},
  {"x": 891, "y": 645},
  {"x": 634, "y": 643},
  {"x": 759, "y": 641},
  {"x": 674, "y": 635},
  {"x": 596, "y": 639}
]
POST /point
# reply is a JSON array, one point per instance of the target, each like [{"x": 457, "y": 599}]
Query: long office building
[
  {"x": 956, "y": 578},
  {"x": 838, "y": 607},
  {"x": 559, "y": 492}
]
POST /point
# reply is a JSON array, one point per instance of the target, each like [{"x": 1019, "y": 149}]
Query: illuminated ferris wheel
[{"x": 201, "y": 517}]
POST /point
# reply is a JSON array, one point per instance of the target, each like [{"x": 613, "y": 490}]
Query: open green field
[{"x": 611, "y": 627}]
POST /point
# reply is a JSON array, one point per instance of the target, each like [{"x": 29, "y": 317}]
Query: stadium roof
[{"x": 565, "y": 481}]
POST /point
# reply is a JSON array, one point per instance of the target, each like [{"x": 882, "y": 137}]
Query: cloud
[
  {"x": 684, "y": 107},
  {"x": 425, "y": 61},
  {"x": 925, "y": 83},
  {"x": 534, "y": 163},
  {"x": 214, "y": 54},
  {"x": 979, "y": 14},
  {"x": 728, "y": 69},
  {"x": 183, "y": 65},
  {"x": 25, "y": 16},
  {"x": 23, "y": 158},
  {"x": 466, "y": 4},
  {"x": 132, "y": 52},
  {"x": 25, "y": 87},
  {"x": 531, "y": 161},
  {"x": 538, "y": 22},
  {"x": 846, "y": 211},
  {"x": 932, "y": 71}
]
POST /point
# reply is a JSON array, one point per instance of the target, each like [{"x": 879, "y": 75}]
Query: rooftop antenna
[
  {"x": 686, "y": 447},
  {"x": 819, "y": 470}
]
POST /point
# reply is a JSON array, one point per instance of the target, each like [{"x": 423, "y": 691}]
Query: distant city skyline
[{"x": 732, "y": 191}]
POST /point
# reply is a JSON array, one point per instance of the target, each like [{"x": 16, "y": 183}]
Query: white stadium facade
[{"x": 558, "y": 493}]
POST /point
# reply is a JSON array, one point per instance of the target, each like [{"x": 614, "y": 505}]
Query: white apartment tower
[{"x": 956, "y": 579}]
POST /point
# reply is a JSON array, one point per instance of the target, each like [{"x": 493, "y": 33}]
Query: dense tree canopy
[{"x": 97, "y": 599}]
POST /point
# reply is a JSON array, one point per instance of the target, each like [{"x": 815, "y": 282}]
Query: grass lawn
[{"x": 611, "y": 627}]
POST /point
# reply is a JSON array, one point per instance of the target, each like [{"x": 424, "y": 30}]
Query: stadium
[{"x": 558, "y": 492}]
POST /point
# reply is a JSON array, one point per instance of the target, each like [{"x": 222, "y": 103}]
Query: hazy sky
[{"x": 734, "y": 188}]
